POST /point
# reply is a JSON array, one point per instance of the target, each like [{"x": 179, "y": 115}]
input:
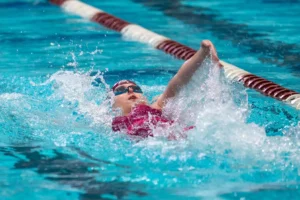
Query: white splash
[
  {"x": 96, "y": 51},
  {"x": 218, "y": 110},
  {"x": 76, "y": 88},
  {"x": 74, "y": 63},
  {"x": 10, "y": 96}
]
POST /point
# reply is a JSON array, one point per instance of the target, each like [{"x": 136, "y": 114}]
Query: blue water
[{"x": 56, "y": 140}]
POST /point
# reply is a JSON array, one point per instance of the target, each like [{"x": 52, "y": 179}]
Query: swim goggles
[{"x": 123, "y": 89}]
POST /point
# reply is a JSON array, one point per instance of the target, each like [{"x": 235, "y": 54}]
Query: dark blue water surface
[{"x": 55, "y": 120}]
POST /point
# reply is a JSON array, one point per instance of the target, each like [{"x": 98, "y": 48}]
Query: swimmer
[{"x": 139, "y": 117}]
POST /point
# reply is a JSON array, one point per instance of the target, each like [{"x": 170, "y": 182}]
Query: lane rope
[{"x": 180, "y": 51}]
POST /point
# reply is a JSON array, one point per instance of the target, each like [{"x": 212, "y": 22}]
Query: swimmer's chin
[{"x": 139, "y": 102}]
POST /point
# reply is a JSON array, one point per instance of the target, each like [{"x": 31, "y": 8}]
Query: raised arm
[{"x": 186, "y": 72}]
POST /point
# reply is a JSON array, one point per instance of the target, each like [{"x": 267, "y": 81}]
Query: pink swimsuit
[{"x": 141, "y": 121}]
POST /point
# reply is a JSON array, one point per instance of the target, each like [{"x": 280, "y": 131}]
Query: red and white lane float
[{"x": 140, "y": 34}]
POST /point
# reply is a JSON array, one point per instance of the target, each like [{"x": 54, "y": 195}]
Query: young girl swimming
[{"x": 138, "y": 117}]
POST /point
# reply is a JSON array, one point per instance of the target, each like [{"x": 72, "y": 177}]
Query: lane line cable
[{"x": 180, "y": 51}]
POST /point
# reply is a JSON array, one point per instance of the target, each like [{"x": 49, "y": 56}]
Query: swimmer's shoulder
[{"x": 155, "y": 103}]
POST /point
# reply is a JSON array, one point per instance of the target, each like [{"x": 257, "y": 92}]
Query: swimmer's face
[{"x": 128, "y": 100}]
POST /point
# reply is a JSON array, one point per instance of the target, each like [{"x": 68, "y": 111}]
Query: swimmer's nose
[{"x": 130, "y": 90}]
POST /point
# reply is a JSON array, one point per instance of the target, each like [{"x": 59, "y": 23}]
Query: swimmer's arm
[
  {"x": 185, "y": 73},
  {"x": 155, "y": 103}
]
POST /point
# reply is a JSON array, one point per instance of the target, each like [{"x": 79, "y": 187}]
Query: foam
[
  {"x": 76, "y": 88},
  {"x": 219, "y": 109},
  {"x": 10, "y": 96}
]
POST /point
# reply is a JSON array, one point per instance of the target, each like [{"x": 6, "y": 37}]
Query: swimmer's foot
[{"x": 207, "y": 48}]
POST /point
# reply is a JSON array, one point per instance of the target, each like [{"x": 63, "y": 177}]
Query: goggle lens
[{"x": 122, "y": 89}]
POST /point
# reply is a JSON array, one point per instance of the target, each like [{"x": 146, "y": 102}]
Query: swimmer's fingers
[{"x": 208, "y": 45}]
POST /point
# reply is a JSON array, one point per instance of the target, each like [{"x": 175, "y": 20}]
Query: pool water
[{"x": 55, "y": 118}]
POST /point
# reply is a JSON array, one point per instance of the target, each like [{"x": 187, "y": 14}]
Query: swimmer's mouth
[{"x": 132, "y": 97}]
